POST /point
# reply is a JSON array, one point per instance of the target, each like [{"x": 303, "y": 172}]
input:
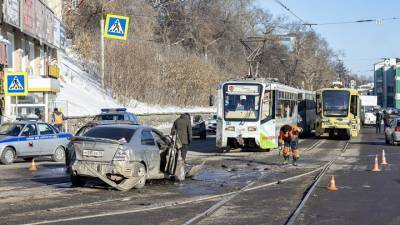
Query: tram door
[{"x": 355, "y": 115}]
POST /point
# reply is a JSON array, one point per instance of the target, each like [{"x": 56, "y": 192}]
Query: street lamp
[{"x": 206, "y": 47}]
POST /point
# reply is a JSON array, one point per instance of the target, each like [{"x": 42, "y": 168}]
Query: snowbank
[{"x": 85, "y": 97}]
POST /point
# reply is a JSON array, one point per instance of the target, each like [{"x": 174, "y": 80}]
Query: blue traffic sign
[
  {"x": 116, "y": 27},
  {"x": 15, "y": 83}
]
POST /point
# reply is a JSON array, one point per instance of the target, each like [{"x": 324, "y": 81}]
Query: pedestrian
[
  {"x": 38, "y": 113},
  {"x": 378, "y": 122},
  {"x": 58, "y": 119},
  {"x": 386, "y": 120},
  {"x": 183, "y": 129}
]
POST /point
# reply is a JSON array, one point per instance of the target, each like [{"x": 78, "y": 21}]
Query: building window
[{"x": 31, "y": 98}]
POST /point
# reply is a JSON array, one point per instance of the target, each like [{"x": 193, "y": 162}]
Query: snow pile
[{"x": 85, "y": 96}]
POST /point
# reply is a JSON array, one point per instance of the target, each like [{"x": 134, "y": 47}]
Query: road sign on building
[
  {"x": 16, "y": 83},
  {"x": 116, "y": 27}
]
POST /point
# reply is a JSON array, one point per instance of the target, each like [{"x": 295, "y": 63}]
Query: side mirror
[{"x": 211, "y": 100}]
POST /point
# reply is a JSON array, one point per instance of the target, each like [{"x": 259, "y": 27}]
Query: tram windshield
[
  {"x": 336, "y": 103},
  {"x": 242, "y": 101}
]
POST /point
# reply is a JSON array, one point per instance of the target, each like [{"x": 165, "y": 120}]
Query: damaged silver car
[{"x": 124, "y": 156}]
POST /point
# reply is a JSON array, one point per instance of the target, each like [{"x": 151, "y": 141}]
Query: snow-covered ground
[{"x": 85, "y": 97}]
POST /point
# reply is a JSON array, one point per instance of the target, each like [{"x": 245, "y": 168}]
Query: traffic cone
[
  {"x": 332, "y": 184},
  {"x": 384, "y": 162},
  {"x": 33, "y": 168},
  {"x": 376, "y": 166}
]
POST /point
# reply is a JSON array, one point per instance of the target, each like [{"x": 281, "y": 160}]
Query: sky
[{"x": 363, "y": 44}]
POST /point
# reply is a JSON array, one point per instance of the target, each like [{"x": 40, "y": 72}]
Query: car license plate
[{"x": 92, "y": 153}]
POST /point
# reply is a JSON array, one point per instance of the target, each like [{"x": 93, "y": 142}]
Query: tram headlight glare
[{"x": 230, "y": 128}]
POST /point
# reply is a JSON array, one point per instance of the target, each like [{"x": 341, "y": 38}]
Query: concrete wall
[{"x": 164, "y": 120}]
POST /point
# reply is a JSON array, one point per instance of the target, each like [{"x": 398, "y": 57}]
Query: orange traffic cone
[
  {"x": 332, "y": 184},
  {"x": 376, "y": 166},
  {"x": 33, "y": 168},
  {"x": 384, "y": 162}
]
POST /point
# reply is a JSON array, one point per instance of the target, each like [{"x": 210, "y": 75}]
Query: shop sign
[
  {"x": 11, "y": 12},
  {"x": 28, "y": 17}
]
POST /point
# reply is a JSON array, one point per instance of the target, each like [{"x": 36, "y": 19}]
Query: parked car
[
  {"x": 116, "y": 114},
  {"x": 199, "y": 127},
  {"x": 212, "y": 123},
  {"x": 27, "y": 139},
  {"x": 392, "y": 133},
  {"x": 123, "y": 156}
]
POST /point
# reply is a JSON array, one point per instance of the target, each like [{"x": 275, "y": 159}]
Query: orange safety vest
[
  {"x": 294, "y": 132},
  {"x": 58, "y": 118}
]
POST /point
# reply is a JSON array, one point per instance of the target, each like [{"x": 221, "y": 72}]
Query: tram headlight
[
  {"x": 230, "y": 128},
  {"x": 252, "y": 128}
]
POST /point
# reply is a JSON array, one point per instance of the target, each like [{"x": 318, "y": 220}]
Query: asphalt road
[{"x": 45, "y": 197}]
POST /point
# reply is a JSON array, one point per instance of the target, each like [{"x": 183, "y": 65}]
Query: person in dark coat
[
  {"x": 183, "y": 129},
  {"x": 386, "y": 119},
  {"x": 378, "y": 122}
]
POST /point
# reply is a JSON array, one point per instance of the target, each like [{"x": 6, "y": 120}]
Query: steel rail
[{"x": 292, "y": 218}]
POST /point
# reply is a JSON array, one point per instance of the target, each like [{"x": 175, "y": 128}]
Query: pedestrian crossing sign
[
  {"x": 16, "y": 83},
  {"x": 116, "y": 27}
]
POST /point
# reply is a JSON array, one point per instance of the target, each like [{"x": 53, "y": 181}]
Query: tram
[
  {"x": 338, "y": 112},
  {"x": 250, "y": 112},
  {"x": 307, "y": 112}
]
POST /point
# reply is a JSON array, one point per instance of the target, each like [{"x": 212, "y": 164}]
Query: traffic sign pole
[{"x": 102, "y": 49}]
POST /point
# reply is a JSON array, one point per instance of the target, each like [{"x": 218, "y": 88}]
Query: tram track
[
  {"x": 221, "y": 198},
  {"x": 292, "y": 218}
]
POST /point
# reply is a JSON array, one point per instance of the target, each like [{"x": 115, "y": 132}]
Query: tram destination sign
[{"x": 243, "y": 89}]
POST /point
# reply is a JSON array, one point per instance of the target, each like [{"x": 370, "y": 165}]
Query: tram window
[{"x": 266, "y": 108}]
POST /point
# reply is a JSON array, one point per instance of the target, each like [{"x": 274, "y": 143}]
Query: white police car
[
  {"x": 28, "y": 139},
  {"x": 116, "y": 114}
]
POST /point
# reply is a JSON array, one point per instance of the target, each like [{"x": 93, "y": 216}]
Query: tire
[
  {"x": 78, "y": 181},
  {"x": 142, "y": 173},
  {"x": 8, "y": 156},
  {"x": 59, "y": 154}
]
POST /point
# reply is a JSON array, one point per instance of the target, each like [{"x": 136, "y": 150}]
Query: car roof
[{"x": 124, "y": 125}]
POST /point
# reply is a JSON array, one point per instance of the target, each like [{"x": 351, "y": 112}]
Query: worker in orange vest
[
  {"x": 290, "y": 137},
  {"x": 57, "y": 119},
  {"x": 294, "y": 143},
  {"x": 285, "y": 138}
]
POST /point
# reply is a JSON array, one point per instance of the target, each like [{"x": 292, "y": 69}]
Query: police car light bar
[{"x": 113, "y": 110}]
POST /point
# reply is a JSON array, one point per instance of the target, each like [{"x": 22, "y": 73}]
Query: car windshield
[
  {"x": 11, "y": 129},
  {"x": 242, "y": 102},
  {"x": 114, "y": 133},
  {"x": 336, "y": 103},
  {"x": 109, "y": 117},
  {"x": 369, "y": 109}
]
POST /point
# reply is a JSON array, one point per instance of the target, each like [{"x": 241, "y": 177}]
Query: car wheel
[
  {"x": 8, "y": 156},
  {"x": 141, "y": 172},
  {"x": 59, "y": 155},
  {"x": 78, "y": 181}
]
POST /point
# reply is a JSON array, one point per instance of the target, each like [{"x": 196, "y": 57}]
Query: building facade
[
  {"x": 387, "y": 82},
  {"x": 31, "y": 37}
]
